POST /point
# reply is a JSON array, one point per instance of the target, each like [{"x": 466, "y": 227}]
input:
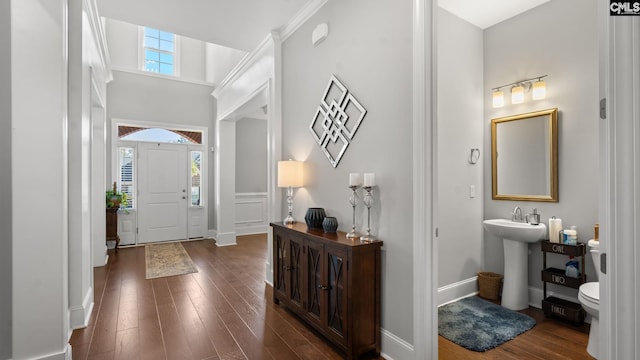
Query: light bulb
[
  {"x": 539, "y": 90},
  {"x": 517, "y": 94},
  {"x": 498, "y": 98}
]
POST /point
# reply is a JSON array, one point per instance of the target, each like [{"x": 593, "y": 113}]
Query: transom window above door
[{"x": 134, "y": 133}]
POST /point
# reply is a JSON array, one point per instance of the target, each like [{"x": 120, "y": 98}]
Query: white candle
[
  {"x": 369, "y": 179},
  {"x": 355, "y": 179}
]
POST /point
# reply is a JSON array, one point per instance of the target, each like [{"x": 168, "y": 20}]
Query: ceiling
[
  {"x": 239, "y": 24},
  {"x": 485, "y": 13},
  {"x": 243, "y": 24}
]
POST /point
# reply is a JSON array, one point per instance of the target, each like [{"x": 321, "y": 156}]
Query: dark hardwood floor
[{"x": 225, "y": 311}]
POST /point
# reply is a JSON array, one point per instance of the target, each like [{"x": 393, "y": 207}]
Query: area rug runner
[
  {"x": 480, "y": 325},
  {"x": 167, "y": 260}
]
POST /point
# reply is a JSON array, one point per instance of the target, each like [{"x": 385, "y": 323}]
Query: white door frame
[
  {"x": 115, "y": 142},
  {"x": 425, "y": 266},
  {"x": 619, "y": 195}
]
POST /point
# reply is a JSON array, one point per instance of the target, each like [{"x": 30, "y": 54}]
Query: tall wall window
[
  {"x": 196, "y": 188},
  {"x": 159, "y": 51},
  {"x": 126, "y": 176}
]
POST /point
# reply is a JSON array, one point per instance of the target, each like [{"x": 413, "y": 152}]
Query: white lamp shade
[
  {"x": 498, "y": 98},
  {"x": 290, "y": 173},
  {"x": 517, "y": 94},
  {"x": 539, "y": 90}
]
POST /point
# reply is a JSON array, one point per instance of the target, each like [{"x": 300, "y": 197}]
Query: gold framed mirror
[{"x": 524, "y": 156}]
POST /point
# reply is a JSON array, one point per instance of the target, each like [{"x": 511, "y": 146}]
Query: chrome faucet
[{"x": 517, "y": 214}]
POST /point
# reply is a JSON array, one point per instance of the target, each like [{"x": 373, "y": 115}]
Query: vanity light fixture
[
  {"x": 498, "y": 98},
  {"x": 517, "y": 94},
  {"x": 538, "y": 91}
]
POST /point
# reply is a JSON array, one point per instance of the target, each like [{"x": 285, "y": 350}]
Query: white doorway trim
[
  {"x": 258, "y": 73},
  {"x": 619, "y": 205},
  {"x": 425, "y": 267}
]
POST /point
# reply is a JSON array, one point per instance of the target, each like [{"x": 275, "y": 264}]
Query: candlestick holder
[
  {"x": 368, "y": 201},
  {"x": 353, "y": 200}
]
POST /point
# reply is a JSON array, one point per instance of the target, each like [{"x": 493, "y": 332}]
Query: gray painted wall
[
  {"x": 566, "y": 49},
  {"x": 5, "y": 182},
  {"x": 251, "y": 155},
  {"x": 369, "y": 48},
  {"x": 460, "y": 94}
]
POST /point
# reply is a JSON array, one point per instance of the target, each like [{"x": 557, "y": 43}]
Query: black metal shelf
[{"x": 551, "y": 305}]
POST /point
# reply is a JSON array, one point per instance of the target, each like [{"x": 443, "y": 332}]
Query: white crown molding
[
  {"x": 300, "y": 18},
  {"x": 101, "y": 40},
  {"x": 246, "y": 62},
  {"x": 159, "y": 76}
]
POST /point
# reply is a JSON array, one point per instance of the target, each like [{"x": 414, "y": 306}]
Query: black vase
[
  {"x": 314, "y": 218},
  {"x": 330, "y": 224}
]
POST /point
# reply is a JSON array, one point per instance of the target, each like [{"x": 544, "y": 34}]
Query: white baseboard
[
  {"x": 79, "y": 315},
  {"x": 269, "y": 274},
  {"x": 392, "y": 347},
  {"x": 65, "y": 354},
  {"x": 250, "y": 230},
  {"x": 212, "y": 233},
  {"x": 456, "y": 291},
  {"x": 226, "y": 239}
]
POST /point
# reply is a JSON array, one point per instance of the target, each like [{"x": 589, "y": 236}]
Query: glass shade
[
  {"x": 517, "y": 94},
  {"x": 539, "y": 90},
  {"x": 498, "y": 98}
]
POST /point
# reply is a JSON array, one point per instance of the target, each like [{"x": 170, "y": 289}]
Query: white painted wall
[
  {"x": 460, "y": 128},
  {"x": 370, "y": 49},
  {"x": 140, "y": 97},
  {"x": 39, "y": 116},
  {"x": 251, "y": 156},
  {"x": 199, "y": 61},
  {"x": 5, "y": 181},
  {"x": 122, "y": 39},
  {"x": 566, "y": 49},
  {"x": 220, "y": 60}
]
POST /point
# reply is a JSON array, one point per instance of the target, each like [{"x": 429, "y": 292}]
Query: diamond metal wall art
[{"x": 336, "y": 121}]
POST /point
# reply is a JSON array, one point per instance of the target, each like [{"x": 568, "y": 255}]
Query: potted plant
[{"x": 115, "y": 198}]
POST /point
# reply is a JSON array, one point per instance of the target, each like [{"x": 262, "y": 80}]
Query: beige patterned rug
[{"x": 167, "y": 260}]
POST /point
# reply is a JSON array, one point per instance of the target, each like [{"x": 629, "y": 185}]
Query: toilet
[{"x": 589, "y": 297}]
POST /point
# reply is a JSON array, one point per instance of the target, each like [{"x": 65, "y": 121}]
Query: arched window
[{"x": 134, "y": 133}]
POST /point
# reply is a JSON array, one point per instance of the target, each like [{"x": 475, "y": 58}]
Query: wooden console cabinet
[{"x": 332, "y": 283}]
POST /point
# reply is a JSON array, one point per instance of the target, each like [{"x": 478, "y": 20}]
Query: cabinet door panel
[
  {"x": 295, "y": 271},
  {"x": 336, "y": 265},
  {"x": 280, "y": 255},
  {"x": 315, "y": 283}
]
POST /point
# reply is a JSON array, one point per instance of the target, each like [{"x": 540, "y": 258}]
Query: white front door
[{"x": 162, "y": 192}]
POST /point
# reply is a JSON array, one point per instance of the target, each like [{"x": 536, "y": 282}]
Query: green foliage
[{"x": 115, "y": 198}]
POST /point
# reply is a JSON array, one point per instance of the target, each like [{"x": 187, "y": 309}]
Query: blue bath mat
[{"x": 479, "y": 325}]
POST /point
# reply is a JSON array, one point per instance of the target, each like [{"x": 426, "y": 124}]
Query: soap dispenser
[{"x": 535, "y": 218}]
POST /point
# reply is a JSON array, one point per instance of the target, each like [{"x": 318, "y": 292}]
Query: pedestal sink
[{"x": 516, "y": 237}]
